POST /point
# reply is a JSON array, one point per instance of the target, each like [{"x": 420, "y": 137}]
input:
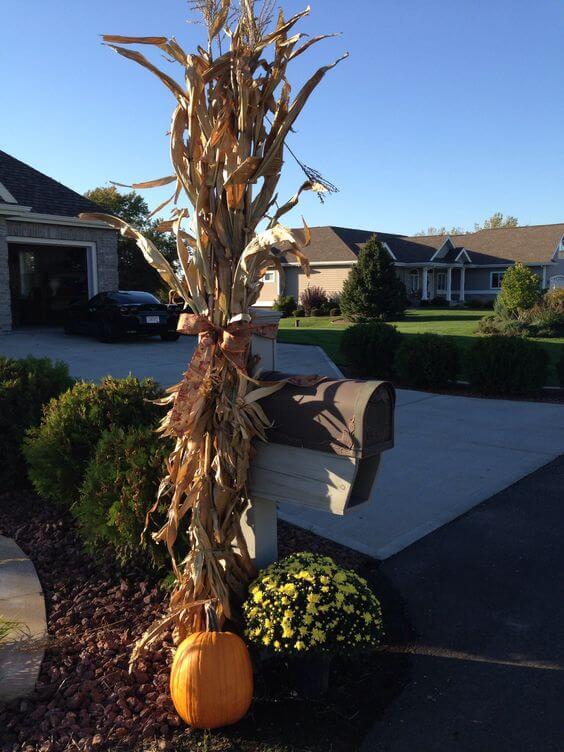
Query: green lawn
[{"x": 458, "y": 324}]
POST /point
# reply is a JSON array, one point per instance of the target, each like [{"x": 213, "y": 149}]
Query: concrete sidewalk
[
  {"x": 22, "y": 602},
  {"x": 484, "y": 598},
  {"x": 451, "y": 453}
]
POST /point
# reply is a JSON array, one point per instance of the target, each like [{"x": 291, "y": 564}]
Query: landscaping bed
[
  {"x": 86, "y": 699},
  {"x": 459, "y": 326}
]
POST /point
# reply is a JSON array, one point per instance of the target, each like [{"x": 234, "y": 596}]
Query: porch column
[
  {"x": 462, "y": 283},
  {"x": 449, "y": 285},
  {"x": 425, "y": 284}
]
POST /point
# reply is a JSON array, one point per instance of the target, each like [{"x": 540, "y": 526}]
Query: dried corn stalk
[{"x": 232, "y": 115}]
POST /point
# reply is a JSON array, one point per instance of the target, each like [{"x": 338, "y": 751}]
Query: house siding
[{"x": 269, "y": 293}]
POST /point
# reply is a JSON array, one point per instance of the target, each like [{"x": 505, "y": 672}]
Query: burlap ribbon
[{"x": 233, "y": 341}]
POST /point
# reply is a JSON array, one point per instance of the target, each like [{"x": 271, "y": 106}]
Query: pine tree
[{"x": 373, "y": 290}]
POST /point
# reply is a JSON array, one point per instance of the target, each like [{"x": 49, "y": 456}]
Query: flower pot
[{"x": 310, "y": 674}]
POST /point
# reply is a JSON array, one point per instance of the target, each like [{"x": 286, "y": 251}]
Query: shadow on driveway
[{"x": 484, "y": 595}]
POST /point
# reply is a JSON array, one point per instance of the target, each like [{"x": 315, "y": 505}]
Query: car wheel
[{"x": 170, "y": 336}]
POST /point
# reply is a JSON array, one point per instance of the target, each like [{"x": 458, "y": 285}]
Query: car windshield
[{"x": 125, "y": 298}]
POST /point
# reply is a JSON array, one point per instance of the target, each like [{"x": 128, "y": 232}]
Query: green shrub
[
  {"x": 371, "y": 348},
  {"x": 507, "y": 365},
  {"x": 439, "y": 301},
  {"x": 503, "y": 327},
  {"x": 25, "y": 386},
  {"x": 373, "y": 289},
  {"x": 520, "y": 289},
  {"x": 427, "y": 360},
  {"x": 560, "y": 367},
  {"x": 316, "y": 312},
  {"x": 120, "y": 486},
  {"x": 335, "y": 312},
  {"x": 299, "y": 313},
  {"x": 286, "y": 304},
  {"x": 59, "y": 450},
  {"x": 544, "y": 320}
]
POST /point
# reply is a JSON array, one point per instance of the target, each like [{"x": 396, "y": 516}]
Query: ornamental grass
[{"x": 307, "y": 603}]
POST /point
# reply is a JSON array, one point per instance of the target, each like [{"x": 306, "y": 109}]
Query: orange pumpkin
[{"x": 211, "y": 680}]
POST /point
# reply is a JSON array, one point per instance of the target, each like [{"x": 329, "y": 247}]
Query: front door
[{"x": 44, "y": 281}]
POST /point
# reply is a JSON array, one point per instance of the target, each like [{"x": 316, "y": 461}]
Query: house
[
  {"x": 457, "y": 267},
  {"x": 48, "y": 256}
]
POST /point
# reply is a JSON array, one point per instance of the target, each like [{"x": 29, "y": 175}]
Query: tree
[
  {"x": 520, "y": 290},
  {"x": 134, "y": 272},
  {"x": 497, "y": 221},
  {"x": 373, "y": 290}
]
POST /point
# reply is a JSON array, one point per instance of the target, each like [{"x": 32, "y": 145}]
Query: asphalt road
[{"x": 484, "y": 595}]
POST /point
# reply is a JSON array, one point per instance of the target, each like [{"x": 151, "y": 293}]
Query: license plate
[{"x": 153, "y": 320}]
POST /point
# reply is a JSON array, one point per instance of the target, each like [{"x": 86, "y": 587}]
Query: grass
[
  {"x": 460, "y": 325},
  {"x": 7, "y": 628}
]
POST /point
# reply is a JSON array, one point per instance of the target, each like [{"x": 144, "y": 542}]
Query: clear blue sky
[{"x": 447, "y": 110}]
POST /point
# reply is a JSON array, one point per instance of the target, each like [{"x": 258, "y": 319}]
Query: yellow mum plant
[{"x": 308, "y": 603}]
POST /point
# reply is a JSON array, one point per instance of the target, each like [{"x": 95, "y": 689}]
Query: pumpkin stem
[{"x": 211, "y": 617}]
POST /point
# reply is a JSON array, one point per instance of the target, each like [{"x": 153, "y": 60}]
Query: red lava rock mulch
[
  {"x": 85, "y": 695},
  {"x": 86, "y": 699}
]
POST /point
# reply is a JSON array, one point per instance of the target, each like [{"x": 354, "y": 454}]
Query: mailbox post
[{"x": 323, "y": 451}]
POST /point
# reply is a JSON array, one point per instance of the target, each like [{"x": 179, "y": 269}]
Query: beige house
[{"x": 458, "y": 268}]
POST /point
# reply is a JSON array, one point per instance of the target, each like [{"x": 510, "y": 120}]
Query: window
[
  {"x": 414, "y": 280},
  {"x": 441, "y": 281},
  {"x": 270, "y": 277},
  {"x": 495, "y": 280}
]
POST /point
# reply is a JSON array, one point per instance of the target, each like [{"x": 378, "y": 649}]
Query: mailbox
[
  {"x": 325, "y": 444},
  {"x": 323, "y": 449}
]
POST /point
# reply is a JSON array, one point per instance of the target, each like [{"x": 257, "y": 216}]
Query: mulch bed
[{"x": 86, "y": 700}]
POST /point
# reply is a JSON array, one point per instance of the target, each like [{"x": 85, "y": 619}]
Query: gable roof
[
  {"x": 532, "y": 244},
  {"x": 31, "y": 188},
  {"x": 342, "y": 244}
]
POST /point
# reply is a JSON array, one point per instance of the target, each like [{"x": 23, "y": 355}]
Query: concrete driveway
[{"x": 451, "y": 452}]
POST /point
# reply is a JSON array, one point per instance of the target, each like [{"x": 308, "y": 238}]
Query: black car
[{"x": 123, "y": 313}]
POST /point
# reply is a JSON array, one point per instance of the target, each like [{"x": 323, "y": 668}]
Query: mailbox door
[{"x": 316, "y": 480}]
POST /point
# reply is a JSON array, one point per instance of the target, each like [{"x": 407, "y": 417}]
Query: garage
[{"x": 48, "y": 257}]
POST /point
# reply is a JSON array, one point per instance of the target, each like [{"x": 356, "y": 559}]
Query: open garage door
[{"x": 44, "y": 280}]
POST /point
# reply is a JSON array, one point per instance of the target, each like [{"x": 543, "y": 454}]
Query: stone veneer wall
[
  {"x": 5, "y": 309},
  {"x": 106, "y": 254}
]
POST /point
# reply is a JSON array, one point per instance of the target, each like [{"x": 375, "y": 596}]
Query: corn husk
[{"x": 227, "y": 156}]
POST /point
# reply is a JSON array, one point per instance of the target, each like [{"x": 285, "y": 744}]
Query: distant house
[
  {"x": 48, "y": 257},
  {"x": 456, "y": 267}
]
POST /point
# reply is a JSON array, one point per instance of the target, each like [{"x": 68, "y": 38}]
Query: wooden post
[{"x": 260, "y": 520}]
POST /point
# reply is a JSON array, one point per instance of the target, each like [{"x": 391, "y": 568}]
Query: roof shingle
[{"x": 43, "y": 194}]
